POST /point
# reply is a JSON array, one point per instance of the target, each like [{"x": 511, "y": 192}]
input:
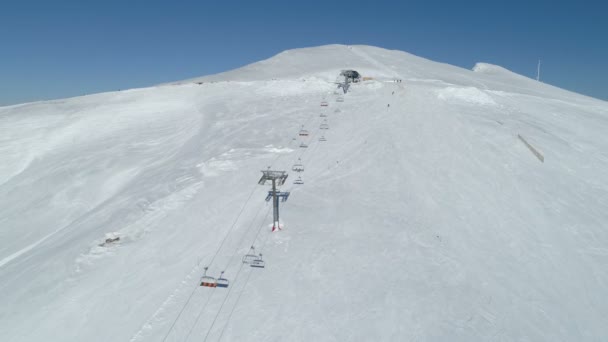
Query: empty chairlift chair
[
  {"x": 250, "y": 257},
  {"x": 221, "y": 281},
  {"x": 322, "y": 138},
  {"x": 323, "y": 115},
  {"x": 298, "y": 181},
  {"x": 303, "y": 145},
  {"x": 303, "y": 132},
  {"x": 324, "y": 125},
  {"x": 208, "y": 281},
  {"x": 324, "y": 104},
  {"x": 340, "y": 99},
  {"x": 298, "y": 167},
  {"x": 258, "y": 262}
]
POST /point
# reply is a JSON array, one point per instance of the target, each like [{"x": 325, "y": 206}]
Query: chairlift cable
[
  {"x": 240, "y": 267},
  {"x": 236, "y": 276},
  {"x": 311, "y": 118},
  {"x": 238, "y": 298},
  {"x": 199, "y": 316},
  {"x": 215, "y": 255},
  {"x": 180, "y": 312},
  {"x": 244, "y": 235}
]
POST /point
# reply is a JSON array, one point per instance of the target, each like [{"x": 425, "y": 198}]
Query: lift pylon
[{"x": 278, "y": 178}]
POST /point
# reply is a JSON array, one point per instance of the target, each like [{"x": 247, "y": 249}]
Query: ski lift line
[
  {"x": 232, "y": 226},
  {"x": 244, "y": 285},
  {"x": 306, "y": 124},
  {"x": 238, "y": 298},
  {"x": 200, "y": 313},
  {"x": 227, "y": 234},
  {"x": 240, "y": 268},
  {"x": 314, "y": 142},
  {"x": 309, "y": 160},
  {"x": 197, "y": 284},
  {"x": 238, "y": 217},
  {"x": 312, "y": 137},
  {"x": 220, "y": 308},
  {"x": 245, "y": 234},
  {"x": 241, "y": 212},
  {"x": 312, "y": 117},
  {"x": 236, "y": 276},
  {"x": 181, "y": 312},
  {"x": 229, "y": 289}
]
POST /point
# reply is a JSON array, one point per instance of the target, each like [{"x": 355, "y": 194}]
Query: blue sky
[{"x": 56, "y": 49}]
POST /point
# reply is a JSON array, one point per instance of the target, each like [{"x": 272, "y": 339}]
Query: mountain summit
[{"x": 437, "y": 203}]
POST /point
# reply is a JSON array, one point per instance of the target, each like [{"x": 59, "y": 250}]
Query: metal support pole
[
  {"x": 278, "y": 178},
  {"x": 275, "y": 206}
]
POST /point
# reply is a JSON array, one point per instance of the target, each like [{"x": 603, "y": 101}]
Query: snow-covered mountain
[{"x": 455, "y": 205}]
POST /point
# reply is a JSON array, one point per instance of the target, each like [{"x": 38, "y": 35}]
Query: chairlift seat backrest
[
  {"x": 221, "y": 281},
  {"x": 248, "y": 258},
  {"x": 258, "y": 262},
  {"x": 208, "y": 281}
]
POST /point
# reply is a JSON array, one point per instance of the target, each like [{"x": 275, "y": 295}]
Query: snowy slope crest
[
  {"x": 490, "y": 69},
  {"x": 452, "y": 205}
]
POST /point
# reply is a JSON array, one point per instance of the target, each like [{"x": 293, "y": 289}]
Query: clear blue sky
[{"x": 61, "y": 48}]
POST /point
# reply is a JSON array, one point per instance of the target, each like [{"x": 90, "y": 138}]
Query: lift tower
[{"x": 278, "y": 178}]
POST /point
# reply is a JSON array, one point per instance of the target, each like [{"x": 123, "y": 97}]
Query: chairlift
[
  {"x": 324, "y": 126},
  {"x": 303, "y": 145},
  {"x": 221, "y": 281},
  {"x": 298, "y": 167},
  {"x": 340, "y": 99},
  {"x": 303, "y": 132},
  {"x": 323, "y": 115},
  {"x": 208, "y": 281},
  {"x": 322, "y": 138},
  {"x": 258, "y": 262},
  {"x": 250, "y": 257},
  {"x": 298, "y": 181},
  {"x": 324, "y": 104}
]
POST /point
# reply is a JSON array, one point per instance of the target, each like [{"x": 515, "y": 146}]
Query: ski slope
[{"x": 423, "y": 217}]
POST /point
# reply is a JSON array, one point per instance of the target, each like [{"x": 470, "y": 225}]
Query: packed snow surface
[{"x": 423, "y": 217}]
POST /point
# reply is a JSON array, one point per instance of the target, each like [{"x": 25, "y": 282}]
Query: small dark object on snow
[{"x": 109, "y": 241}]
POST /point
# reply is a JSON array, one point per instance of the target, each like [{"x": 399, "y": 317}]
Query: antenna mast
[{"x": 538, "y": 71}]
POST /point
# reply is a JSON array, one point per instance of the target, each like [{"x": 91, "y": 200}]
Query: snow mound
[
  {"x": 487, "y": 68},
  {"x": 466, "y": 94},
  {"x": 501, "y": 73}
]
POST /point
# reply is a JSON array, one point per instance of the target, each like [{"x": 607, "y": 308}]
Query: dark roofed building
[{"x": 351, "y": 75}]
